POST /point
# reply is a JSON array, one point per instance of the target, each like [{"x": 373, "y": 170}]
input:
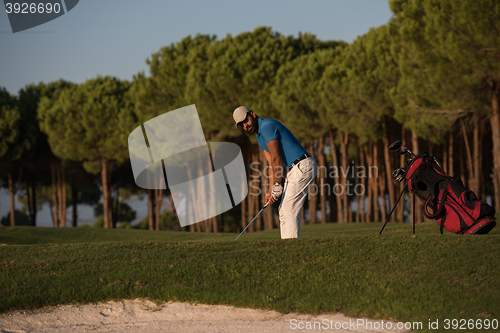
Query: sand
[{"x": 143, "y": 316}]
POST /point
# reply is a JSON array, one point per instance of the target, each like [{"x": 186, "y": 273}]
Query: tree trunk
[
  {"x": 215, "y": 226},
  {"x": 255, "y": 187},
  {"x": 363, "y": 183},
  {"x": 12, "y": 202},
  {"x": 400, "y": 210},
  {"x": 376, "y": 205},
  {"x": 105, "y": 194},
  {"x": 31, "y": 196},
  {"x": 388, "y": 173},
  {"x": 59, "y": 195},
  {"x": 12, "y": 192},
  {"x": 451, "y": 162},
  {"x": 332, "y": 197},
  {"x": 463, "y": 168},
  {"x": 419, "y": 215},
  {"x": 51, "y": 213},
  {"x": 445, "y": 157},
  {"x": 151, "y": 211},
  {"x": 373, "y": 205},
  {"x": 344, "y": 175},
  {"x": 34, "y": 201},
  {"x": 192, "y": 226},
  {"x": 62, "y": 197},
  {"x": 74, "y": 199},
  {"x": 187, "y": 210},
  {"x": 322, "y": 177},
  {"x": 209, "y": 224},
  {"x": 111, "y": 219},
  {"x": 201, "y": 226},
  {"x": 29, "y": 193},
  {"x": 369, "y": 160},
  {"x": 254, "y": 206},
  {"x": 313, "y": 197},
  {"x": 356, "y": 183},
  {"x": 468, "y": 159},
  {"x": 159, "y": 201},
  {"x": 495, "y": 130},
  {"x": 245, "y": 205},
  {"x": 382, "y": 185},
  {"x": 247, "y": 215},
  {"x": 349, "y": 213},
  {"x": 171, "y": 206},
  {"x": 55, "y": 206},
  {"x": 243, "y": 214},
  {"x": 476, "y": 158},
  {"x": 114, "y": 203},
  {"x": 335, "y": 178},
  {"x": 430, "y": 147}
]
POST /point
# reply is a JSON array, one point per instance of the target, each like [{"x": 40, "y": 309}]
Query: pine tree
[
  {"x": 82, "y": 124},
  {"x": 456, "y": 43}
]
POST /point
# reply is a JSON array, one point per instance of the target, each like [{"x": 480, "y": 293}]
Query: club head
[{"x": 396, "y": 145}]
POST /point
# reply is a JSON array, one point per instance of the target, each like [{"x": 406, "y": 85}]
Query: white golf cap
[{"x": 240, "y": 113}]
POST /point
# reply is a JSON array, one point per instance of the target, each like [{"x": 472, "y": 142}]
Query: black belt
[{"x": 297, "y": 161}]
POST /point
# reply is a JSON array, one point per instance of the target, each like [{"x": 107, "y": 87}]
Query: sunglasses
[{"x": 240, "y": 124}]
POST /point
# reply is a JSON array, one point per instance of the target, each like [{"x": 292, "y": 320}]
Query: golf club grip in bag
[{"x": 446, "y": 199}]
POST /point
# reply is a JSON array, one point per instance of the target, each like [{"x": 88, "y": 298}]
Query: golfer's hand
[{"x": 270, "y": 199}]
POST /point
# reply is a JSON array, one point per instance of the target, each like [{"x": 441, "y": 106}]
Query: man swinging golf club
[{"x": 281, "y": 149}]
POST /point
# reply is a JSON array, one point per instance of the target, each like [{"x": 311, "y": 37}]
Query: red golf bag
[{"x": 446, "y": 199}]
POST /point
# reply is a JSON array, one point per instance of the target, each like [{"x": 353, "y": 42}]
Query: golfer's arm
[
  {"x": 275, "y": 161},
  {"x": 268, "y": 158}
]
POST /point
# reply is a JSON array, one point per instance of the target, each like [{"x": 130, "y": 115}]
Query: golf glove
[{"x": 277, "y": 190}]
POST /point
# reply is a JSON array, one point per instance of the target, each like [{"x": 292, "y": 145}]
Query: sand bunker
[{"x": 141, "y": 316}]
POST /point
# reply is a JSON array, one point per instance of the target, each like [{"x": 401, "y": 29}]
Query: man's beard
[{"x": 253, "y": 128}]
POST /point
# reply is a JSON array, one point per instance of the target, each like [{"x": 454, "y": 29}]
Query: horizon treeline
[{"x": 429, "y": 77}]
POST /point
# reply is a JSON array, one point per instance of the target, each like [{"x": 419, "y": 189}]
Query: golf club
[
  {"x": 398, "y": 145},
  {"x": 267, "y": 204}
]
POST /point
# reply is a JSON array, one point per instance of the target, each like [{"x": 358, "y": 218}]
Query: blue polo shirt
[{"x": 290, "y": 148}]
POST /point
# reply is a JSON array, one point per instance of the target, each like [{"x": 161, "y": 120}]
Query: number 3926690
[
  {"x": 32, "y": 8},
  {"x": 463, "y": 324}
]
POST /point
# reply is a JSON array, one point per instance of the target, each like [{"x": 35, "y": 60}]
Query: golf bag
[{"x": 446, "y": 199}]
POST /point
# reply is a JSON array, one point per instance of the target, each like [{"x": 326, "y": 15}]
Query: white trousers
[{"x": 297, "y": 183}]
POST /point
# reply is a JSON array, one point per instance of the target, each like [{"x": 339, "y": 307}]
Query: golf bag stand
[{"x": 392, "y": 210}]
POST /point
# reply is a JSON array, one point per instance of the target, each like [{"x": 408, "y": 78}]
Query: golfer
[{"x": 282, "y": 150}]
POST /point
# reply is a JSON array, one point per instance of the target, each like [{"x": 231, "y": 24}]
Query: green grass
[{"x": 332, "y": 267}]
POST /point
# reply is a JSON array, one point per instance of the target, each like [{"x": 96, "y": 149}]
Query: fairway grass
[{"x": 332, "y": 267}]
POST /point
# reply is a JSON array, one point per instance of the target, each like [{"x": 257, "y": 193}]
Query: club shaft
[
  {"x": 251, "y": 221},
  {"x": 409, "y": 150}
]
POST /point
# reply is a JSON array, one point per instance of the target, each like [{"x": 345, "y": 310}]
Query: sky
[{"x": 115, "y": 37}]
